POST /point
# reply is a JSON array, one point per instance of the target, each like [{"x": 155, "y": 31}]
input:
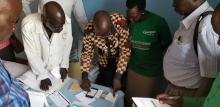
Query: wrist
[
  {"x": 118, "y": 76},
  {"x": 85, "y": 75}
]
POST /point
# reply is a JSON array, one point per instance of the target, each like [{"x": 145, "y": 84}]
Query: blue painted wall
[{"x": 161, "y": 7}]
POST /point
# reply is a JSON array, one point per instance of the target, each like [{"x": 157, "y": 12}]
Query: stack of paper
[
  {"x": 59, "y": 99},
  {"x": 148, "y": 102}
]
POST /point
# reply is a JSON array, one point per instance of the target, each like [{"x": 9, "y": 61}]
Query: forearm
[{"x": 205, "y": 86}]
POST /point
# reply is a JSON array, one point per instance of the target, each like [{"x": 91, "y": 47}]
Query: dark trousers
[{"x": 106, "y": 74}]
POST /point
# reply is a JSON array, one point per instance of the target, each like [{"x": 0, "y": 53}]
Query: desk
[{"x": 97, "y": 103}]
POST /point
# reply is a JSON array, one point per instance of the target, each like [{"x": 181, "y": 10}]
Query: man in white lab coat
[
  {"x": 47, "y": 41},
  {"x": 69, "y": 6}
]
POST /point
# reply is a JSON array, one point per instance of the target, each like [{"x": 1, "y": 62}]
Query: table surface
[{"x": 70, "y": 96}]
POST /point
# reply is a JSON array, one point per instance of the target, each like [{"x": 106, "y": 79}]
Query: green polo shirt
[
  {"x": 149, "y": 38},
  {"x": 213, "y": 99}
]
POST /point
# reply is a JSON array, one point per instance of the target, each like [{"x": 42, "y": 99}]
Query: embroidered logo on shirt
[{"x": 150, "y": 33}]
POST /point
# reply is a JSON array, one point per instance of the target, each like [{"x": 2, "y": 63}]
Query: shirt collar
[{"x": 188, "y": 21}]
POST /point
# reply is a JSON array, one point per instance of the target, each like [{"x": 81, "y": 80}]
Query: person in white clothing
[
  {"x": 47, "y": 41},
  {"x": 187, "y": 73},
  {"x": 69, "y": 6}
]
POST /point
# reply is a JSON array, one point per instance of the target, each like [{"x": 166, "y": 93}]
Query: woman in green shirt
[
  {"x": 150, "y": 37},
  {"x": 213, "y": 99}
]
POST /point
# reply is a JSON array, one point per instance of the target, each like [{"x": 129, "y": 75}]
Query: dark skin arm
[
  {"x": 205, "y": 86},
  {"x": 63, "y": 73},
  {"x": 173, "y": 102},
  {"x": 116, "y": 85},
  {"x": 85, "y": 85},
  {"x": 46, "y": 83}
]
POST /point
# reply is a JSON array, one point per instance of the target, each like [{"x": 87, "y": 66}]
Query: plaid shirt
[
  {"x": 11, "y": 92},
  {"x": 119, "y": 47}
]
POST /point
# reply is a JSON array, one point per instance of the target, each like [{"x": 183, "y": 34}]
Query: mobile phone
[{"x": 92, "y": 93}]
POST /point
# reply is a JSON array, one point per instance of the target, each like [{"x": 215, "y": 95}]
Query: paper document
[
  {"x": 111, "y": 98},
  {"x": 148, "y": 102},
  {"x": 56, "y": 72},
  {"x": 59, "y": 100},
  {"x": 30, "y": 80},
  {"x": 37, "y": 99},
  {"x": 82, "y": 98}
]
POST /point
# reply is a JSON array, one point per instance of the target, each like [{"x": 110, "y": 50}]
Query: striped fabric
[{"x": 11, "y": 92}]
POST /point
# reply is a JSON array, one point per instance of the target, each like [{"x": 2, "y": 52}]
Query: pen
[
  {"x": 153, "y": 103},
  {"x": 172, "y": 97},
  {"x": 64, "y": 97}
]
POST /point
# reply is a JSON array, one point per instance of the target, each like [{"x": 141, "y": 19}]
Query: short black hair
[{"x": 141, "y": 4}]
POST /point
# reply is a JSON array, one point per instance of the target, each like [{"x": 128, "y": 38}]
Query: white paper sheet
[
  {"x": 37, "y": 99},
  {"x": 148, "y": 102},
  {"x": 85, "y": 100},
  {"x": 29, "y": 79},
  {"x": 59, "y": 100},
  {"x": 56, "y": 72},
  {"x": 111, "y": 98}
]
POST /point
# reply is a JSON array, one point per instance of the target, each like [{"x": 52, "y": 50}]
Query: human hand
[
  {"x": 44, "y": 84},
  {"x": 175, "y": 101}
]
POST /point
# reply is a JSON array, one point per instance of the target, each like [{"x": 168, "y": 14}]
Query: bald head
[
  {"x": 102, "y": 23},
  {"x": 216, "y": 21},
  {"x": 53, "y": 17},
  {"x": 9, "y": 14}
]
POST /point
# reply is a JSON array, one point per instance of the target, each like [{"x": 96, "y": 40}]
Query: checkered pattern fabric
[{"x": 119, "y": 45}]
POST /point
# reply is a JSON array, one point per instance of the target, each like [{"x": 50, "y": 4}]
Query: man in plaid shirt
[
  {"x": 109, "y": 36},
  {"x": 12, "y": 93}
]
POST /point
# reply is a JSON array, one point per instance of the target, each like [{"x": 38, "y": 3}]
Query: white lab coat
[{"x": 45, "y": 54}]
